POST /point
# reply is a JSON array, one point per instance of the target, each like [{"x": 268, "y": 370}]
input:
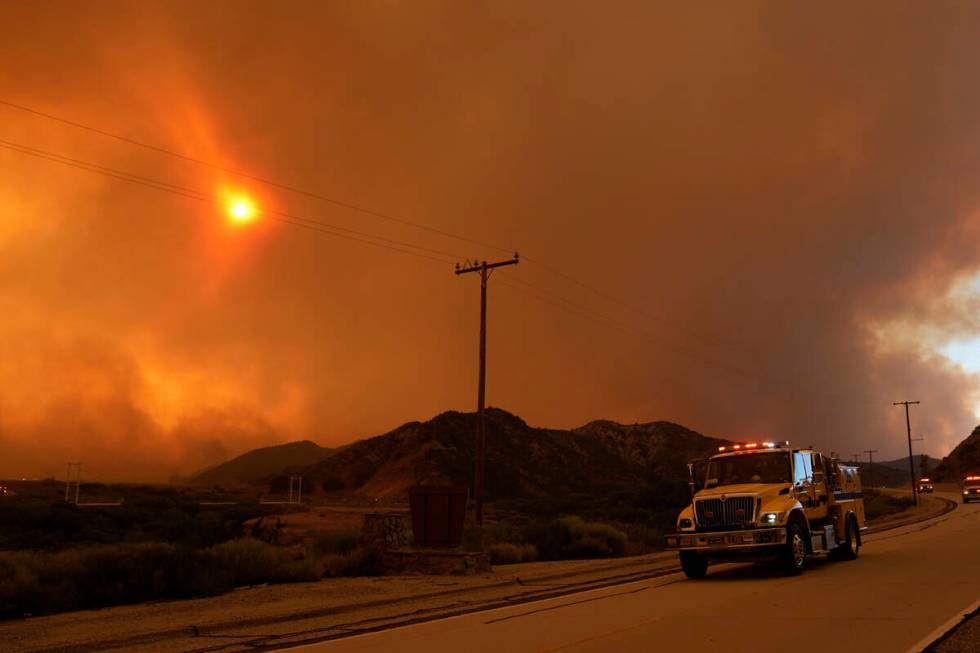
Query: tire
[
  {"x": 793, "y": 558},
  {"x": 694, "y": 564},
  {"x": 851, "y": 547}
]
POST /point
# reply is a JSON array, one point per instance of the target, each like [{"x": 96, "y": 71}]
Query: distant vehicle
[
  {"x": 769, "y": 502},
  {"x": 3, "y": 490},
  {"x": 971, "y": 489},
  {"x": 925, "y": 486}
]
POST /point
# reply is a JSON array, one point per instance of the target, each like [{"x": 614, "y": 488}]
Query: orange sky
[{"x": 786, "y": 196}]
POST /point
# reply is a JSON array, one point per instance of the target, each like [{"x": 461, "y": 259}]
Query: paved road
[{"x": 907, "y": 583}]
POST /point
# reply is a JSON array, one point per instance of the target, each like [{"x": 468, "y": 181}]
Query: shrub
[
  {"x": 40, "y": 582},
  {"x": 358, "y": 562},
  {"x": 506, "y": 553},
  {"x": 572, "y": 537},
  {"x": 878, "y": 504},
  {"x": 341, "y": 541},
  {"x": 246, "y": 561}
]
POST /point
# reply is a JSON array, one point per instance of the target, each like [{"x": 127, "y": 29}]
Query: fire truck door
[
  {"x": 821, "y": 487},
  {"x": 803, "y": 487}
]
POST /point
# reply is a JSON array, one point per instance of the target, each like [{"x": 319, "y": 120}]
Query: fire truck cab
[
  {"x": 769, "y": 502},
  {"x": 971, "y": 488}
]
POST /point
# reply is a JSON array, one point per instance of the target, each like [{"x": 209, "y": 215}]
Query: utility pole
[
  {"x": 77, "y": 481},
  {"x": 871, "y": 467},
  {"x": 484, "y": 269},
  {"x": 295, "y": 495},
  {"x": 908, "y": 430}
]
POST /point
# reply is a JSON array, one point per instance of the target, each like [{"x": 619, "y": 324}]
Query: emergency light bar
[
  {"x": 754, "y": 445},
  {"x": 972, "y": 478}
]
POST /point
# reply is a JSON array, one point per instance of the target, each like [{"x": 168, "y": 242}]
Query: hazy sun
[{"x": 241, "y": 210}]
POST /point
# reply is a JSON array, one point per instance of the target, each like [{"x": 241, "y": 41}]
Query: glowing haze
[{"x": 787, "y": 194}]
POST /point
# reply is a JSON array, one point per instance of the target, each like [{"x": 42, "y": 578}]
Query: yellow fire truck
[
  {"x": 971, "y": 488},
  {"x": 761, "y": 501}
]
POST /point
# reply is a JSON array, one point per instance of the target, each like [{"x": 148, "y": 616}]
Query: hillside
[
  {"x": 258, "y": 464},
  {"x": 522, "y": 461},
  {"x": 963, "y": 460},
  {"x": 894, "y": 473},
  {"x": 902, "y": 464}
]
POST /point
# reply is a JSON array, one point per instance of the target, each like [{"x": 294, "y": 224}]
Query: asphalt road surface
[{"x": 906, "y": 584}]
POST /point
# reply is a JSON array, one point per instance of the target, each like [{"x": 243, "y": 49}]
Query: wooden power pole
[
  {"x": 871, "y": 467},
  {"x": 484, "y": 269},
  {"x": 908, "y": 430}
]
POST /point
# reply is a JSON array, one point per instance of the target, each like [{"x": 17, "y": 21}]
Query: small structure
[
  {"x": 384, "y": 534},
  {"x": 438, "y": 512}
]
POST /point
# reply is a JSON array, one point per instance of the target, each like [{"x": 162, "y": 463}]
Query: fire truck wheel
[
  {"x": 694, "y": 564},
  {"x": 851, "y": 546},
  {"x": 793, "y": 558}
]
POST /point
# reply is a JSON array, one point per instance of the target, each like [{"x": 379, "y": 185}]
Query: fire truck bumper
[{"x": 725, "y": 540}]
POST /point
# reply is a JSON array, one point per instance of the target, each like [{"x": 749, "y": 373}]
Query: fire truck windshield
[{"x": 768, "y": 467}]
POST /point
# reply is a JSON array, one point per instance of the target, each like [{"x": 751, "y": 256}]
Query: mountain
[
  {"x": 258, "y": 464},
  {"x": 894, "y": 473},
  {"x": 521, "y": 461},
  {"x": 962, "y": 460},
  {"x": 902, "y": 464}
]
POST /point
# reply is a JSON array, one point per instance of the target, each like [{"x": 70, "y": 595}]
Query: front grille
[{"x": 733, "y": 511}]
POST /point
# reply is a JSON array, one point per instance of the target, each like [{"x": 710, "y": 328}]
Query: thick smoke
[{"x": 784, "y": 194}]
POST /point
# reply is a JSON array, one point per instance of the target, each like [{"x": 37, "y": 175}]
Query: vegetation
[
  {"x": 41, "y": 582},
  {"x": 149, "y": 514},
  {"x": 878, "y": 504},
  {"x": 572, "y": 537},
  {"x": 160, "y": 543},
  {"x": 38, "y": 582},
  {"x": 642, "y": 515}
]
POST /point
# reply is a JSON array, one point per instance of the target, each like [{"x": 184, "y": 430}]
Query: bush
[
  {"x": 877, "y": 504},
  {"x": 506, "y": 553},
  {"x": 38, "y": 582},
  {"x": 572, "y": 537},
  {"x": 341, "y": 541},
  {"x": 358, "y": 562},
  {"x": 246, "y": 561}
]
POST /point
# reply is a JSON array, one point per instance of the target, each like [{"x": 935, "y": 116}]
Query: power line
[
  {"x": 280, "y": 216},
  {"x": 256, "y": 178},
  {"x": 606, "y": 321},
  {"x": 485, "y": 269},
  {"x": 705, "y": 340},
  {"x": 908, "y": 427},
  {"x": 439, "y": 256},
  {"x": 334, "y": 230},
  {"x": 353, "y": 207},
  {"x": 871, "y": 466}
]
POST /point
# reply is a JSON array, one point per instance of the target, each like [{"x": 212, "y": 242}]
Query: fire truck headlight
[
  {"x": 768, "y": 518},
  {"x": 685, "y": 523}
]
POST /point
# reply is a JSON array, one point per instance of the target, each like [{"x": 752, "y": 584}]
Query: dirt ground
[{"x": 964, "y": 639}]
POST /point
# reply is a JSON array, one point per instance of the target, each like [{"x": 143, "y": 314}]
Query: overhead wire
[
  {"x": 435, "y": 255},
  {"x": 438, "y": 256},
  {"x": 363, "y": 210},
  {"x": 280, "y": 216},
  {"x": 252, "y": 177}
]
